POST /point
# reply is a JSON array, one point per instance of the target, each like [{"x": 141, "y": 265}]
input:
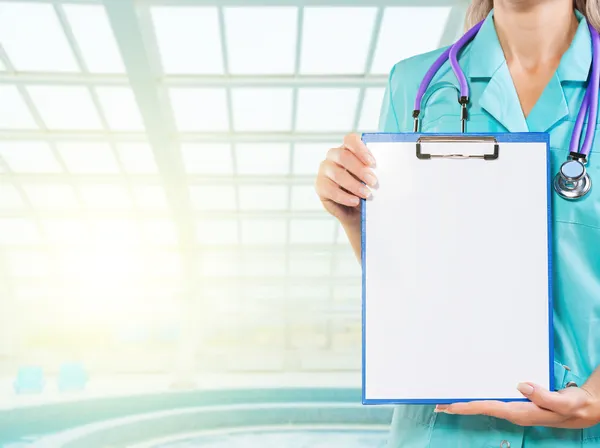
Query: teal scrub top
[{"x": 576, "y": 259}]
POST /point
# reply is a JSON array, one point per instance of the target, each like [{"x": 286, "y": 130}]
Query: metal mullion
[
  {"x": 279, "y": 281},
  {"x": 273, "y": 249},
  {"x": 148, "y": 32},
  {"x": 183, "y": 137},
  {"x": 232, "y": 148},
  {"x": 289, "y": 81},
  {"x": 124, "y": 18},
  {"x": 229, "y": 100},
  {"x": 351, "y": 3},
  {"x": 243, "y": 281},
  {"x": 71, "y": 136},
  {"x": 332, "y": 266},
  {"x": 147, "y": 214},
  {"x": 35, "y": 216},
  {"x": 153, "y": 180},
  {"x": 66, "y": 28},
  {"x": 288, "y": 256},
  {"x": 5, "y": 60},
  {"x": 14, "y": 177},
  {"x": 368, "y": 66},
  {"x": 96, "y": 101},
  {"x": 63, "y": 2}
]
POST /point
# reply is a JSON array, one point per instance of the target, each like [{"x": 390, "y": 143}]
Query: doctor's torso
[{"x": 495, "y": 108}]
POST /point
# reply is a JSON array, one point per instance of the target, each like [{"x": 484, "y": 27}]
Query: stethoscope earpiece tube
[{"x": 572, "y": 180}]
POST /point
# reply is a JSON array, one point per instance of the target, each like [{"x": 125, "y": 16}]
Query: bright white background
[{"x": 157, "y": 158}]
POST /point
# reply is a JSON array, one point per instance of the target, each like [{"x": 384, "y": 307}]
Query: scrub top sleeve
[{"x": 392, "y": 118}]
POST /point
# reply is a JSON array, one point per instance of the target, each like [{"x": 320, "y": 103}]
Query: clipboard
[{"x": 457, "y": 268}]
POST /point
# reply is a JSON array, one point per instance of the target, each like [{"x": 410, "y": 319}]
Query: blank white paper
[{"x": 456, "y": 273}]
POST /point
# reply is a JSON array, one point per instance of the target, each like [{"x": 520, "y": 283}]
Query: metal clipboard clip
[{"x": 457, "y": 138}]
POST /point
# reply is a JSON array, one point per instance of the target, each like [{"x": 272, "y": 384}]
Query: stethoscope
[{"x": 572, "y": 180}]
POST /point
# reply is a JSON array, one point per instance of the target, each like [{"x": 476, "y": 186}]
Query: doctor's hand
[
  {"x": 342, "y": 177},
  {"x": 573, "y": 408}
]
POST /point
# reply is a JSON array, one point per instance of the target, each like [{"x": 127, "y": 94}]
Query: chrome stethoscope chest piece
[{"x": 572, "y": 181}]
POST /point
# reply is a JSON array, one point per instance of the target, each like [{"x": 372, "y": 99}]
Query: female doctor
[{"x": 527, "y": 69}]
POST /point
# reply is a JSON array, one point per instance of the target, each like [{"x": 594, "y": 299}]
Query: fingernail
[
  {"x": 365, "y": 192},
  {"x": 370, "y": 180},
  {"x": 525, "y": 388},
  {"x": 355, "y": 201},
  {"x": 371, "y": 160}
]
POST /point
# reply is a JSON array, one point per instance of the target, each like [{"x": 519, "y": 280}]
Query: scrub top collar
[
  {"x": 486, "y": 55},
  {"x": 483, "y": 60}
]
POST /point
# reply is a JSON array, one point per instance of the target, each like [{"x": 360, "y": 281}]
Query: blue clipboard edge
[{"x": 501, "y": 138}]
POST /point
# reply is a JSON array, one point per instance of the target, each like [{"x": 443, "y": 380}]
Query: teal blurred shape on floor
[
  {"x": 29, "y": 380},
  {"x": 72, "y": 377}
]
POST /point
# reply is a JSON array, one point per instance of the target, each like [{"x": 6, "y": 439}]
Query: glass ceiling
[{"x": 101, "y": 194}]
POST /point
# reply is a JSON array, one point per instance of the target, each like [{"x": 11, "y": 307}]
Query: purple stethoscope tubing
[{"x": 589, "y": 105}]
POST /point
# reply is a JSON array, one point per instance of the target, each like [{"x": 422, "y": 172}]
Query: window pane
[
  {"x": 214, "y": 158},
  {"x": 310, "y": 265},
  {"x": 263, "y": 265},
  {"x": 33, "y": 38},
  {"x": 216, "y": 232},
  {"x": 402, "y": 34},
  {"x": 66, "y": 232},
  {"x": 95, "y": 38},
  {"x": 308, "y": 156},
  {"x": 218, "y": 197},
  {"x": 201, "y": 109},
  {"x": 369, "y": 117},
  {"x": 137, "y": 158},
  {"x": 29, "y": 157},
  {"x": 348, "y": 267},
  {"x": 65, "y": 107},
  {"x": 9, "y": 197},
  {"x": 52, "y": 197},
  {"x": 310, "y": 292},
  {"x": 188, "y": 39},
  {"x": 347, "y": 292},
  {"x": 105, "y": 197},
  {"x": 263, "y": 197},
  {"x": 336, "y": 40},
  {"x": 219, "y": 264},
  {"x": 342, "y": 238},
  {"x": 14, "y": 113},
  {"x": 148, "y": 197},
  {"x": 88, "y": 158},
  {"x": 304, "y": 197},
  {"x": 322, "y": 109},
  {"x": 263, "y": 158},
  {"x": 256, "y": 34},
  {"x": 264, "y": 231},
  {"x": 18, "y": 231},
  {"x": 120, "y": 109},
  {"x": 163, "y": 264},
  {"x": 115, "y": 232},
  {"x": 319, "y": 231},
  {"x": 160, "y": 232},
  {"x": 28, "y": 264},
  {"x": 262, "y": 109}
]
